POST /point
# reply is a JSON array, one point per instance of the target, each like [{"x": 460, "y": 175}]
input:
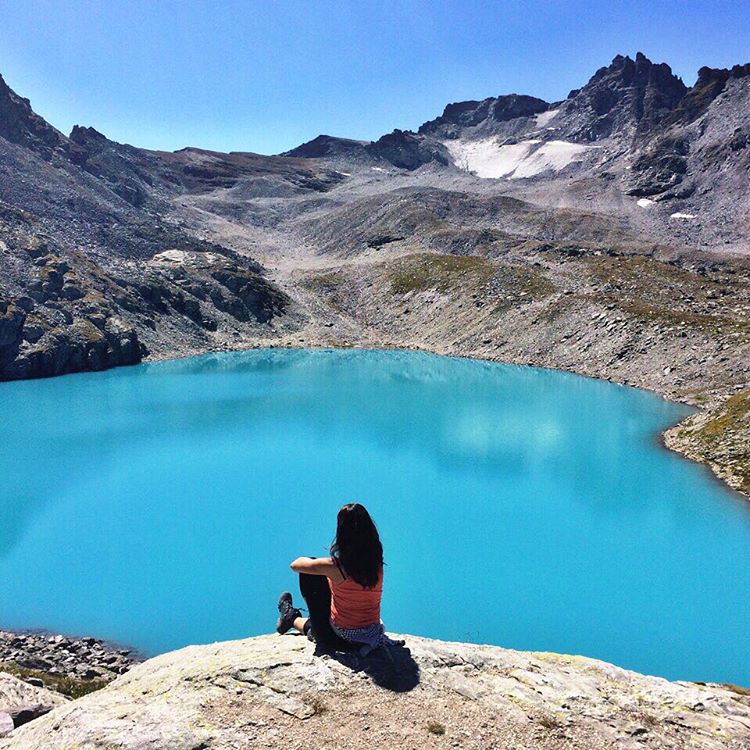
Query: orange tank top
[{"x": 354, "y": 606}]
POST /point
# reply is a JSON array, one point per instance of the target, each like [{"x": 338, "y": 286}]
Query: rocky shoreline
[
  {"x": 69, "y": 665},
  {"x": 720, "y": 438}
]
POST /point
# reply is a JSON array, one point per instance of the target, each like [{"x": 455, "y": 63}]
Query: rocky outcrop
[
  {"x": 327, "y": 145},
  {"x": 720, "y": 437},
  {"x": 272, "y": 691},
  {"x": 73, "y": 316},
  {"x": 472, "y": 113},
  {"x": 626, "y": 97},
  {"x": 661, "y": 165},
  {"x": 406, "y": 150},
  {"x": 55, "y": 315},
  {"x": 21, "y": 702},
  {"x": 701, "y": 145},
  {"x": 80, "y": 347},
  {"x": 21, "y": 125},
  {"x": 233, "y": 285}
]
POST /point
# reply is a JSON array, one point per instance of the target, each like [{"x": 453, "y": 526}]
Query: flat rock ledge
[{"x": 273, "y": 692}]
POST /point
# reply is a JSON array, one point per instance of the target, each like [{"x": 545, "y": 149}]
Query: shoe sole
[{"x": 281, "y": 628}]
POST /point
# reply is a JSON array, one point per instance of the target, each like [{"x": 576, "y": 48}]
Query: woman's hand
[{"x": 316, "y": 566}]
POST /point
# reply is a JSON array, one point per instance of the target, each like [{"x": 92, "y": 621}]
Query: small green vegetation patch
[
  {"x": 435, "y": 727},
  {"x": 733, "y": 416},
  {"x": 324, "y": 282},
  {"x": 331, "y": 285},
  {"x": 59, "y": 683},
  {"x": 727, "y": 432},
  {"x": 642, "y": 270},
  {"x": 513, "y": 285},
  {"x": 548, "y": 721},
  {"x": 423, "y": 271}
]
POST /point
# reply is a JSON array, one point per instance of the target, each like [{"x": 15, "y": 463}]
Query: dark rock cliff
[{"x": 627, "y": 97}]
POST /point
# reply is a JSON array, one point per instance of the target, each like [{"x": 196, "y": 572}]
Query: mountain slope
[{"x": 93, "y": 273}]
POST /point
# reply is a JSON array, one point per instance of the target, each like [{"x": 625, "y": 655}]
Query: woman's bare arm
[{"x": 316, "y": 566}]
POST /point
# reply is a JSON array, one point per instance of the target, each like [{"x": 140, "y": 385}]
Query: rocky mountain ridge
[
  {"x": 629, "y": 100},
  {"x": 21, "y": 125}
]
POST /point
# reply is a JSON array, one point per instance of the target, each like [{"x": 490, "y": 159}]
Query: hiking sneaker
[{"x": 287, "y": 613}]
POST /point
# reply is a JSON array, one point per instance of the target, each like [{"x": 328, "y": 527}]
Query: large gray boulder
[
  {"x": 21, "y": 702},
  {"x": 272, "y": 691}
]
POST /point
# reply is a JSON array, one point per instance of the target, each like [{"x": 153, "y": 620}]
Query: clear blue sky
[{"x": 266, "y": 76}]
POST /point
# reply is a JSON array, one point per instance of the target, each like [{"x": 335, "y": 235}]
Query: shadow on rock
[{"x": 390, "y": 667}]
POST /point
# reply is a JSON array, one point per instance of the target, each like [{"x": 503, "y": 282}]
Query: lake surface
[{"x": 160, "y": 505}]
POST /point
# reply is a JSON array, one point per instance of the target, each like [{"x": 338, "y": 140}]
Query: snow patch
[
  {"x": 645, "y": 202},
  {"x": 543, "y": 118},
  {"x": 518, "y": 160},
  {"x": 554, "y": 155},
  {"x": 680, "y": 215},
  {"x": 377, "y": 169}
]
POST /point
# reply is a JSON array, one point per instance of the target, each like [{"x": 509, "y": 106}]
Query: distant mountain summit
[
  {"x": 624, "y": 98},
  {"x": 327, "y": 145}
]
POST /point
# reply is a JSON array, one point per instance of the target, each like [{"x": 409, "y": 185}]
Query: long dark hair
[{"x": 357, "y": 546}]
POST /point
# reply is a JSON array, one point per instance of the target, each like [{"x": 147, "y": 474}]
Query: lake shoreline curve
[{"x": 718, "y": 451}]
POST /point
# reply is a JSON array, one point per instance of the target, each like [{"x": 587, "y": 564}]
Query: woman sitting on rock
[{"x": 343, "y": 591}]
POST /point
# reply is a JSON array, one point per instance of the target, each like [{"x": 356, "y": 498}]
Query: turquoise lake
[{"x": 160, "y": 505}]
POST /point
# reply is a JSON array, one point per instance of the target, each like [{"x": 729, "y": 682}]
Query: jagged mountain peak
[
  {"x": 626, "y": 97},
  {"x": 629, "y": 68},
  {"x": 84, "y": 135}
]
